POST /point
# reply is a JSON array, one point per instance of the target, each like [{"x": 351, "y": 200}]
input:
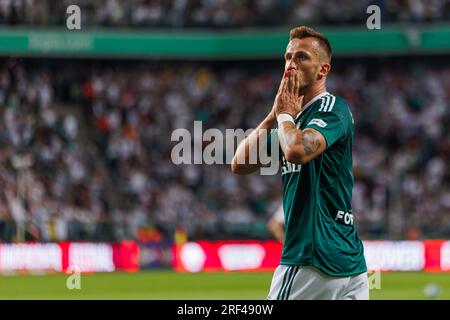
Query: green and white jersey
[{"x": 317, "y": 196}]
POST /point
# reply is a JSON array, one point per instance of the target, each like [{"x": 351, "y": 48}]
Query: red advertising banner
[
  {"x": 227, "y": 256},
  {"x": 433, "y": 255},
  {"x": 61, "y": 257},
  {"x": 428, "y": 255},
  {"x": 126, "y": 256}
]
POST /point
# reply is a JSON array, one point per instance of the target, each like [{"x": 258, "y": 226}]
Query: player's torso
[{"x": 317, "y": 201}]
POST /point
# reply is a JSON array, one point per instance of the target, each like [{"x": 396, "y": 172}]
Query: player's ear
[{"x": 323, "y": 71}]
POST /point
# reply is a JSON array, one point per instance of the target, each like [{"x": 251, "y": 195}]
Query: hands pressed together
[{"x": 288, "y": 99}]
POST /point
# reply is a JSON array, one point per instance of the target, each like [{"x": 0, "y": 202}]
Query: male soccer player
[{"x": 322, "y": 254}]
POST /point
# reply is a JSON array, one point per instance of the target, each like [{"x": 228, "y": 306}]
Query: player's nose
[{"x": 291, "y": 66}]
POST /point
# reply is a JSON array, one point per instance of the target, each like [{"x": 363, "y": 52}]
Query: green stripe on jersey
[
  {"x": 289, "y": 286},
  {"x": 284, "y": 282}
]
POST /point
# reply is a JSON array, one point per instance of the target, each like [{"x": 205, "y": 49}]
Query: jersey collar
[{"x": 311, "y": 102}]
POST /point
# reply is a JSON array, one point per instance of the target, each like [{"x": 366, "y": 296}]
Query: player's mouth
[{"x": 288, "y": 71}]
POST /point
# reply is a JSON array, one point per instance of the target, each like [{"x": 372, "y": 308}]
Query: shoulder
[
  {"x": 332, "y": 103},
  {"x": 335, "y": 105},
  {"x": 343, "y": 110}
]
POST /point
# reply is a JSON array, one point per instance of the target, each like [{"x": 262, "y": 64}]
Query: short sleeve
[{"x": 330, "y": 125}]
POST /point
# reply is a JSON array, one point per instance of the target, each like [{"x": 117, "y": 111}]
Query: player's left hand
[{"x": 288, "y": 99}]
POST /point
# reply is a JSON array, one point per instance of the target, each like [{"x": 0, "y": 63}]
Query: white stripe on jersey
[
  {"x": 324, "y": 102},
  {"x": 331, "y": 105},
  {"x": 321, "y": 104}
]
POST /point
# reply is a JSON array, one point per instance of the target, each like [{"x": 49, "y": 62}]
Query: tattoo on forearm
[{"x": 311, "y": 142}]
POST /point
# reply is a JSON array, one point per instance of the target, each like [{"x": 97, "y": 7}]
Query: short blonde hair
[{"x": 306, "y": 32}]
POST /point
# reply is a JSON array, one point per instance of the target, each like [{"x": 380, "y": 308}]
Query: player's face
[{"x": 303, "y": 56}]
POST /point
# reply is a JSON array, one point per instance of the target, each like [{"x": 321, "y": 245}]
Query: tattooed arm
[{"x": 300, "y": 146}]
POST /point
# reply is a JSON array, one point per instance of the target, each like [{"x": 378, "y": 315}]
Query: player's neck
[{"x": 312, "y": 93}]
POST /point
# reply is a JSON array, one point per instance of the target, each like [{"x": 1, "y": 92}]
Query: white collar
[{"x": 311, "y": 102}]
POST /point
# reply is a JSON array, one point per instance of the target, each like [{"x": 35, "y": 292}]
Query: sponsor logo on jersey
[
  {"x": 345, "y": 217},
  {"x": 318, "y": 122},
  {"x": 288, "y": 167}
]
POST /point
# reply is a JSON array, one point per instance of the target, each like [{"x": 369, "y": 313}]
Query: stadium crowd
[
  {"x": 401, "y": 150},
  {"x": 50, "y": 185},
  {"x": 218, "y": 13}
]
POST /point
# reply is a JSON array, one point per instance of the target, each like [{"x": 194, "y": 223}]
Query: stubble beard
[{"x": 304, "y": 89}]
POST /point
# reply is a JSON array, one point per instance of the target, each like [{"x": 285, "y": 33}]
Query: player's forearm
[
  {"x": 277, "y": 229},
  {"x": 241, "y": 163},
  {"x": 300, "y": 146},
  {"x": 291, "y": 142}
]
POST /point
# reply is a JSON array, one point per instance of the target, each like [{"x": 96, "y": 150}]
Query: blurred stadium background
[{"x": 86, "y": 176}]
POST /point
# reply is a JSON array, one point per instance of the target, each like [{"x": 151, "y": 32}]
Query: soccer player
[{"x": 322, "y": 254}]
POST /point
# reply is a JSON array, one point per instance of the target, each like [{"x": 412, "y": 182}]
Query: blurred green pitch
[{"x": 170, "y": 285}]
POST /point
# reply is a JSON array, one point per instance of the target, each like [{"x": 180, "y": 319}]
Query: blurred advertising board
[
  {"x": 227, "y": 256},
  {"x": 395, "y": 255},
  {"x": 131, "y": 256},
  {"x": 91, "y": 257},
  {"x": 155, "y": 255},
  {"x": 31, "y": 257},
  {"x": 445, "y": 256},
  {"x": 428, "y": 255},
  {"x": 59, "y": 257}
]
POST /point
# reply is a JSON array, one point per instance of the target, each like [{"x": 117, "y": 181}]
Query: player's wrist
[
  {"x": 284, "y": 117},
  {"x": 271, "y": 119}
]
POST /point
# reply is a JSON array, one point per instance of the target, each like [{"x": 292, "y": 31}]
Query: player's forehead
[{"x": 310, "y": 45}]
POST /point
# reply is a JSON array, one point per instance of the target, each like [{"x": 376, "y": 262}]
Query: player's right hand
[{"x": 283, "y": 85}]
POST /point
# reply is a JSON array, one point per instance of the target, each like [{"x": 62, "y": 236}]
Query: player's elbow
[
  {"x": 243, "y": 169},
  {"x": 269, "y": 225},
  {"x": 294, "y": 155},
  {"x": 235, "y": 168},
  {"x": 239, "y": 169}
]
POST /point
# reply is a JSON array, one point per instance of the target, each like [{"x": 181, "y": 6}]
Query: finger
[
  {"x": 291, "y": 82},
  {"x": 283, "y": 79},
  {"x": 297, "y": 84},
  {"x": 285, "y": 83}
]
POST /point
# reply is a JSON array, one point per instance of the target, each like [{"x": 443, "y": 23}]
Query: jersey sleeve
[{"x": 331, "y": 125}]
